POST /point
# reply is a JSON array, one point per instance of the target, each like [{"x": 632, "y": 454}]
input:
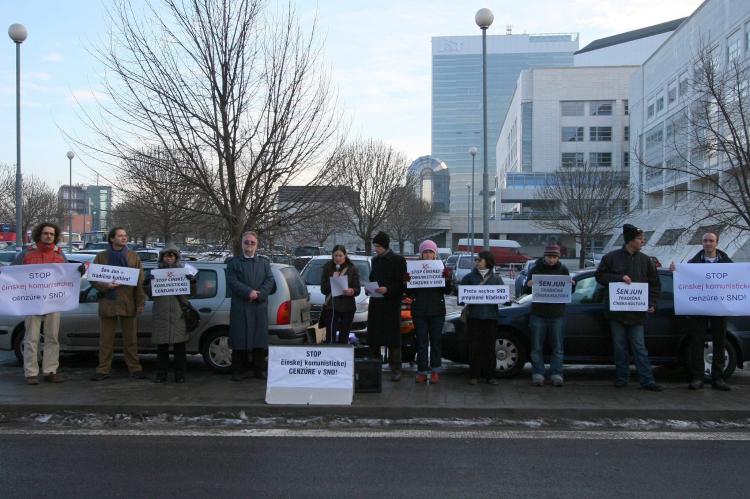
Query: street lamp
[
  {"x": 18, "y": 33},
  {"x": 473, "y": 151},
  {"x": 484, "y": 18},
  {"x": 70, "y": 156},
  {"x": 468, "y": 218}
]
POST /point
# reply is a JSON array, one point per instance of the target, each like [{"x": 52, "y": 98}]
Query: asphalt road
[{"x": 135, "y": 466}]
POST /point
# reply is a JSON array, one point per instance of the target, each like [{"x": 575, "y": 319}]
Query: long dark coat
[
  {"x": 639, "y": 267},
  {"x": 384, "y": 314},
  {"x": 248, "y": 321}
]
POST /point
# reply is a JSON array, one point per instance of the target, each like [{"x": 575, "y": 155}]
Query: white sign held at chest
[
  {"x": 425, "y": 274},
  {"x": 39, "y": 289},
  {"x": 126, "y": 276},
  {"x": 483, "y": 294},
  {"x": 551, "y": 288},
  {"x": 712, "y": 289},
  {"x": 631, "y": 297},
  {"x": 170, "y": 282}
]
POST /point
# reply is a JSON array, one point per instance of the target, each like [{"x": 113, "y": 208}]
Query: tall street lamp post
[
  {"x": 70, "y": 156},
  {"x": 473, "y": 151},
  {"x": 18, "y": 33},
  {"x": 468, "y": 219},
  {"x": 484, "y": 18}
]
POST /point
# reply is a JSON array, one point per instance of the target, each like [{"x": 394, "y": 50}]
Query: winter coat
[
  {"x": 248, "y": 320},
  {"x": 640, "y": 268},
  {"x": 546, "y": 309},
  {"x": 128, "y": 299},
  {"x": 168, "y": 324},
  {"x": 484, "y": 310},
  {"x": 384, "y": 314},
  {"x": 429, "y": 302},
  {"x": 341, "y": 304},
  {"x": 723, "y": 257},
  {"x": 40, "y": 253}
]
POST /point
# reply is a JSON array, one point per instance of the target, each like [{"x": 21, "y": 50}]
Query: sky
[{"x": 379, "y": 53}]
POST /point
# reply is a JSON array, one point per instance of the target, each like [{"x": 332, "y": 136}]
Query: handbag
[
  {"x": 190, "y": 314},
  {"x": 465, "y": 312}
]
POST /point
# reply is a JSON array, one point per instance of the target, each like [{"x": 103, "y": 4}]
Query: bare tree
[
  {"x": 585, "y": 202},
  {"x": 40, "y": 202},
  {"x": 7, "y": 193},
  {"x": 234, "y": 94},
  {"x": 136, "y": 218},
  {"x": 409, "y": 216},
  {"x": 374, "y": 171}
]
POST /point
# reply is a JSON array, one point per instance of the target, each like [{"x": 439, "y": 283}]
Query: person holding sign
[
  {"x": 481, "y": 324},
  {"x": 629, "y": 264},
  {"x": 547, "y": 319},
  {"x": 338, "y": 311},
  {"x": 119, "y": 304},
  {"x": 168, "y": 321},
  {"x": 428, "y": 315},
  {"x": 700, "y": 326}
]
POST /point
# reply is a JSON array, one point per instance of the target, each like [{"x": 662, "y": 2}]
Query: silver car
[{"x": 288, "y": 317}]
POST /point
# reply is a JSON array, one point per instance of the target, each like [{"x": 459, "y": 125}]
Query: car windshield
[
  {"x": 297, "y": 288},
  {"x": 7, "y": 256},
  {"x": 306, "y": 251},
  {"x": 466, "y": 262},
  {"x": 313, "y": 272}
]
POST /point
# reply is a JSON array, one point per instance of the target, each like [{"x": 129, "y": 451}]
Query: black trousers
[
  {"x": 239, "y": 360},
  {"x": 162, "y": 358},
  {"x": 481, "y": 334},
  {"x": 702, "y": 327},
  {"x": 339, "y": 321}
]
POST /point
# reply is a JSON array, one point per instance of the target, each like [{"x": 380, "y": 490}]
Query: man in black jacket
[{"x": 628, "y": 264}]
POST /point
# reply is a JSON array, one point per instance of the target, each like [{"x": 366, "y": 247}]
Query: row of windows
[
  {"x": 596, "y": 159},
  {"x": 596, "y": 108},
  {"x": 596, "y": 134}
]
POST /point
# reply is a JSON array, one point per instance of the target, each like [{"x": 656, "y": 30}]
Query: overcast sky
[{"x": 378, "y": 51}]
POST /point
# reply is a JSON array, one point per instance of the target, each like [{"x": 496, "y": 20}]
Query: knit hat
[
  {"x": 630, "y": 232},
  {"x": 428, "y": 245},
  {"x": 552, "y": 250},
  {"x": 382, "y": 239}
]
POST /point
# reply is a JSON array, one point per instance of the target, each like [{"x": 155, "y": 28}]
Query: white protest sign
[
  {"x": 127, "y": 276},
  {"x": 170, "y": 282},
  {"x": 372, "y": 289},
  {"x": 425, "y": 274},
  {"x": 631, "y": 297},
  {"x": 338, "y": 285},
  {"x": 310, "y": 375},
  {"x": 712, "y": 289},
  {"x": 551, "y": 288},
  {"x": 39, "y": 289},
  {"x": 487, "y": 293}
]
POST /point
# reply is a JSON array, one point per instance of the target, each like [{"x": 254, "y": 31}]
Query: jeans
[
  {"x": 51, "y": 354},
  {"x": 554, "y": 328},
  {"x": 622, "y": 335},
  {"x": 428, "y": 330},
  {"x": 716, "y": 329}
]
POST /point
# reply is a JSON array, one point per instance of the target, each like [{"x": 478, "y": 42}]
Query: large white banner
[
  {"x": 712, "y": 289},
  {"x": 39, "y": 289},
  {"x": 310, "y": 374},
  {"x": 486, "y": 293},
  {"x": 551, "y": 288},
  {"x": 631, "y": 297},
  {"x": 126, "y": 276},
  {"x": 170, "y": 282},
  {"x": 425, "y": 274}
]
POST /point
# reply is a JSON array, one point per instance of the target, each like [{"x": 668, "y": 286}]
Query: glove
[
  {"x": 82, "y": 269},
  {"x": 407, "y": 277},
  {"x": 148, "y": 278},
  {"x": 191, "y": 277}
]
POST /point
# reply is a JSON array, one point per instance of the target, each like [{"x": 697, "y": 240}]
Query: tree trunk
[
  {"x": 582, "y": 256},
  {"x": 368, "y": 246}
]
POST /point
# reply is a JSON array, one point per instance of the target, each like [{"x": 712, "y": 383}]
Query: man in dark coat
[
  {"x": 384, "y": 313},
  {"x": 628, "y": 264},
  {"x": 251, "y": 281}
]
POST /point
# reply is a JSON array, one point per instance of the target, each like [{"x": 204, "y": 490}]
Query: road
[{"x": 143, "y": 465}]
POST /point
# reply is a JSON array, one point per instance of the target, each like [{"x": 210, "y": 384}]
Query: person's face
[
  {"x": 709, "y": 242},
  {"x": 551, "y": 259},
  {"x": 378, "y": 248},
  {"x": 428, "y": 255},
  {"x": 481, "y": 263},
  {"x": 47, "y": 236},
  {"x": 249, "y": 244},
  {"x": 339, "y": 257},
  {"x": 637, "y": 243},
  {"x": 120, "y": 239},
  {"x": 170, "y": 258}
]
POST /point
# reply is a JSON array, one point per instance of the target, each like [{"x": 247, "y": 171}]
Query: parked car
[
  {"x": 7, "y": 257},
  {"x": 288, "y": 318},
  {"x": 587, "y": 336},
  {"x": 521, "y": 277},
  {"x": 463, "y": 265}
]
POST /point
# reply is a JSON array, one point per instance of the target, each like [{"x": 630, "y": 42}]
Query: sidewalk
[{"x": 588, "y": 394}]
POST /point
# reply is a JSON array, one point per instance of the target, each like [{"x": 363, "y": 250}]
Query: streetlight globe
[
  {"x": 484, "y": 18},
  {"x": 17, "y": 32},
  {"x": 473, "y": 151},
  {"x": 71, "y": 155}
]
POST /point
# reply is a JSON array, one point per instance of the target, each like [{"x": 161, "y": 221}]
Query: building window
[
  {"x": 627, "y": 107},
  {"x": 572, "y": 134},
  {"x": 682, "y": 86},
  {"x": 626, "y": 159},
  {"x": 572, "y": 159},
  {"x": 571, "y": 108},
  {"x": 600, "y": 159},
  {"x": 659, "y": 104},
  {"x": 650, "y": 112},
  {"x": 601, "y": 108},
  {"x": 626, "y": 134},
  {"x": 669, "y": 237},
  {"x": 671, "y": 95},
  {"x": 733, "y": 49},
  {"x": 600, "y": 134}
]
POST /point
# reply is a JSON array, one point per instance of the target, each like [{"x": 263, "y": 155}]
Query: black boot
[
  {"x": 259, "y": 363},
  {"x": 238, "y": 364}
]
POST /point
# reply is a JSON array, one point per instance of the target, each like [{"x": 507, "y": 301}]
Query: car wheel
[
  {"x": 730, "y": 358},
  {"x": 216, "y": 350},
  {"x": 510, "y": 354},
  {"x": 18, "y": 345}
]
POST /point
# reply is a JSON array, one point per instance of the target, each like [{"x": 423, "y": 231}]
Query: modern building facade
[{"x": 100, "y": 204}]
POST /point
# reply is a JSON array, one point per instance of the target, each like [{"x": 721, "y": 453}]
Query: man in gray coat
[{"x": 250, "y": 279}]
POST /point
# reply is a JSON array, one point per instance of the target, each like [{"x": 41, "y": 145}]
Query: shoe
[
  {"x": 396, "y": 376},
  {"x": 493, "y": 381},
  {"x": 137, "y": 375},
  {"x": 557, "y": 381},
  {"x": 434, "y": 377},
  {"x": 236, "y": 376},
  {"x": 179, "y": 378},
  {"x": 32, "y": 380},
  {"x": 421, "y": 378},
  {"x": 54, "y": 378},
  {"x": 537, "y": 380},
  {"x": 696, "y": 384},
  {"x": 653, "y": 387},
  {"x": 720, "y": 384},
  {"x": 99, "y": 376},
  {"x": 260, "y": 374},
  {"x": 161, "y": 377},
  {"x": 621, "y": 383},
  {"x": 473, "y": 381}
]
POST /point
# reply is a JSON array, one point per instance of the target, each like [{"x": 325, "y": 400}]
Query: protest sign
[
  {"x": 425, "y": 274},
  {"x": 126, "y": 276},
  {"x": 631, "y": 297},
  {"x": 473, "y": 295},
  {"x": 310, "y": 375},
  {"x": 711, "y": 289},
  {"x": 39, "y": 289},
  {"x": 170, "y": 282},
  {"x": 551, "y": 288}
]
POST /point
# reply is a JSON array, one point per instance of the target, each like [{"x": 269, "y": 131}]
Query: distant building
[
  {"x": 91, "y": 206},
  {"x": 100, "y": 203}
]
